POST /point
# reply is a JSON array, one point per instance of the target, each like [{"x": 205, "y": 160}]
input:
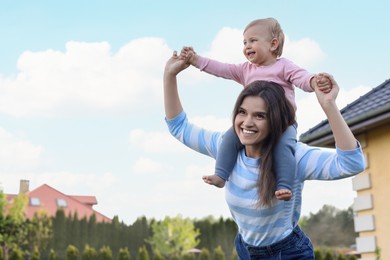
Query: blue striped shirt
[{"x": 262, "y": 226}]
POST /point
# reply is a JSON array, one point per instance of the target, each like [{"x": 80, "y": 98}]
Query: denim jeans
[{"x": 295, "y": 246}]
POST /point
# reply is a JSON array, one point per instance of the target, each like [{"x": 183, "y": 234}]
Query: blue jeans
[{"x": 295, "y": 246}]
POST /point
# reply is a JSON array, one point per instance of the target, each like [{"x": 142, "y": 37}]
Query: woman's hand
[
  {"x": 175, "y": 65},
  {"x": 327, "y": 98},
  {"x": 172, "y": 102}
]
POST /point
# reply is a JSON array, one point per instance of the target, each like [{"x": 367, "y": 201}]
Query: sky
[{"x": 81, "y": 105}]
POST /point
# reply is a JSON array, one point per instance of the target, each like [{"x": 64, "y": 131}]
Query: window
[
  {"x": 35, "y": 201},
  {"x": 61, "y": 203}
]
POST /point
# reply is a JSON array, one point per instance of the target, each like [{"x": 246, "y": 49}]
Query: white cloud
[
  {"x": 212, "y": 122},
  {"x": 227, "y": 46},
  {"x": 155, "y": 142},
  {"x": 304, "y": 52},
  {"x": 86, "y": 78},
  {"x": 16, "y": 153},
  {"x": 146, "y": 166},
  {"x": 67, "y": 182}
]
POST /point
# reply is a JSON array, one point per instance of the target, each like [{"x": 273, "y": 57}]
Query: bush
[
  {"x": 53, "y": 255},
  {"x": 124, "y": 254},
  {"x": 105, "y": 253},
  {"x": 16, "y": 254},
  {"x": 158, "y": 256},
  {"x": 188, "y": 256},
  {"x": 204, "y": 254},
  {"x": 36, "y": 255},
  {"x": 143, "y": 254},
  {"x": 219, "y": 254},
  {"x": 89, "y": 253},
  {"x": 72, "y": 253}
]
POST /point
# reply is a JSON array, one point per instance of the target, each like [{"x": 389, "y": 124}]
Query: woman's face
[{"x": 251, "y": 125}]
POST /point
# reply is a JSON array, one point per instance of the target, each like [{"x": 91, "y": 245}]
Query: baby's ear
[{"x": 274, "y": 44}]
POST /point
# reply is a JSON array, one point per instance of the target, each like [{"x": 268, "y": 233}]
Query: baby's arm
[{"x": 188, "y": 54}]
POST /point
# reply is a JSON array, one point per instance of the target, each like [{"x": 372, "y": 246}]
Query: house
[
  {"x": 369, "y": 119},
  {"x": 48, "y": 199}
]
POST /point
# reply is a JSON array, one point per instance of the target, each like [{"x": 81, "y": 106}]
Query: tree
[
  {"x": 204, "y": 254},
  {"x": 72, "y": 253},
  {"x": 318, "y": 254},
  {"x": 330, "y": 227},
  {"x": 124, "y": 254},
  {"x": 158, "y": 256},
  {"x": 53, "y": 255},
  {"x": 218, "y": 254},
  {"x": 138, "y": 232},
  {"x": 16, "y": 253},
  {"x": 341, "y": 257},
  {"x": 39, "y": 231},
  {"x": 59, "y": 231},
  {"x": 352, "y": 257},
  {"x": 328, "y": 255},
  {"x": 234, "y": 255},
  {"x": 188, "y": 256},
  {"x": 143, "y": 254},
  {"x": 105, "y": 253},
  {"x": 174, "y": 257},
  {"x": 173, "y": 236},
  {"x": 36, "y": 255},
  {"x": 13, "y": 229},
  {"x": 89, "y": 253}
]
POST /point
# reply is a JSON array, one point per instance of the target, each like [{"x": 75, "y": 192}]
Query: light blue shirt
[{"x": 262, "y": 226}]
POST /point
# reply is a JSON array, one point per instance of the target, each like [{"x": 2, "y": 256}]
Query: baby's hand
[
  {"x": 187, "y": 54},
  {"x": 323, "y": 83}
]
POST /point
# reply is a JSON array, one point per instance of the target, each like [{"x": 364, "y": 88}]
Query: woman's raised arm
[
  {"x": 172, "y": 102},
  {"x": 344, "y": 138}
]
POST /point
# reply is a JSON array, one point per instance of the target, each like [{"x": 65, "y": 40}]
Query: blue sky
[{"x": 81, "y": 93}]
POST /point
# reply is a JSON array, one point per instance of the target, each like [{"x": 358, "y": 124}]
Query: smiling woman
[
  {"x": 252, "y": 126},
  {"x": 262, "y": 112}
]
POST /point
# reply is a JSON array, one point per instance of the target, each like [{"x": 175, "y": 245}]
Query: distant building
[
  {"x": 48, "y": 199},
  {"x": 369, "y": 119}
]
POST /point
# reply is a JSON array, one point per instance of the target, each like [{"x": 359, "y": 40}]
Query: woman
[{"x": 262, "y": 111}]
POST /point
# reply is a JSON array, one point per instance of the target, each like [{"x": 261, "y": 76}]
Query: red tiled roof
[{"x": 47, "y": 199}]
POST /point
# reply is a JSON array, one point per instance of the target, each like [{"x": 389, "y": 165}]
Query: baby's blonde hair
[{"x": 274, "y": 29}]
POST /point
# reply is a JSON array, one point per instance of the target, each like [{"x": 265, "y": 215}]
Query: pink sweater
[{"x": 283, "y": 71}]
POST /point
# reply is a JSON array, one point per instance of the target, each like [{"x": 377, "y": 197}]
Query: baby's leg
[
  {"x": 285, "y": 163},
  {"x": 226, "y": 159}
]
